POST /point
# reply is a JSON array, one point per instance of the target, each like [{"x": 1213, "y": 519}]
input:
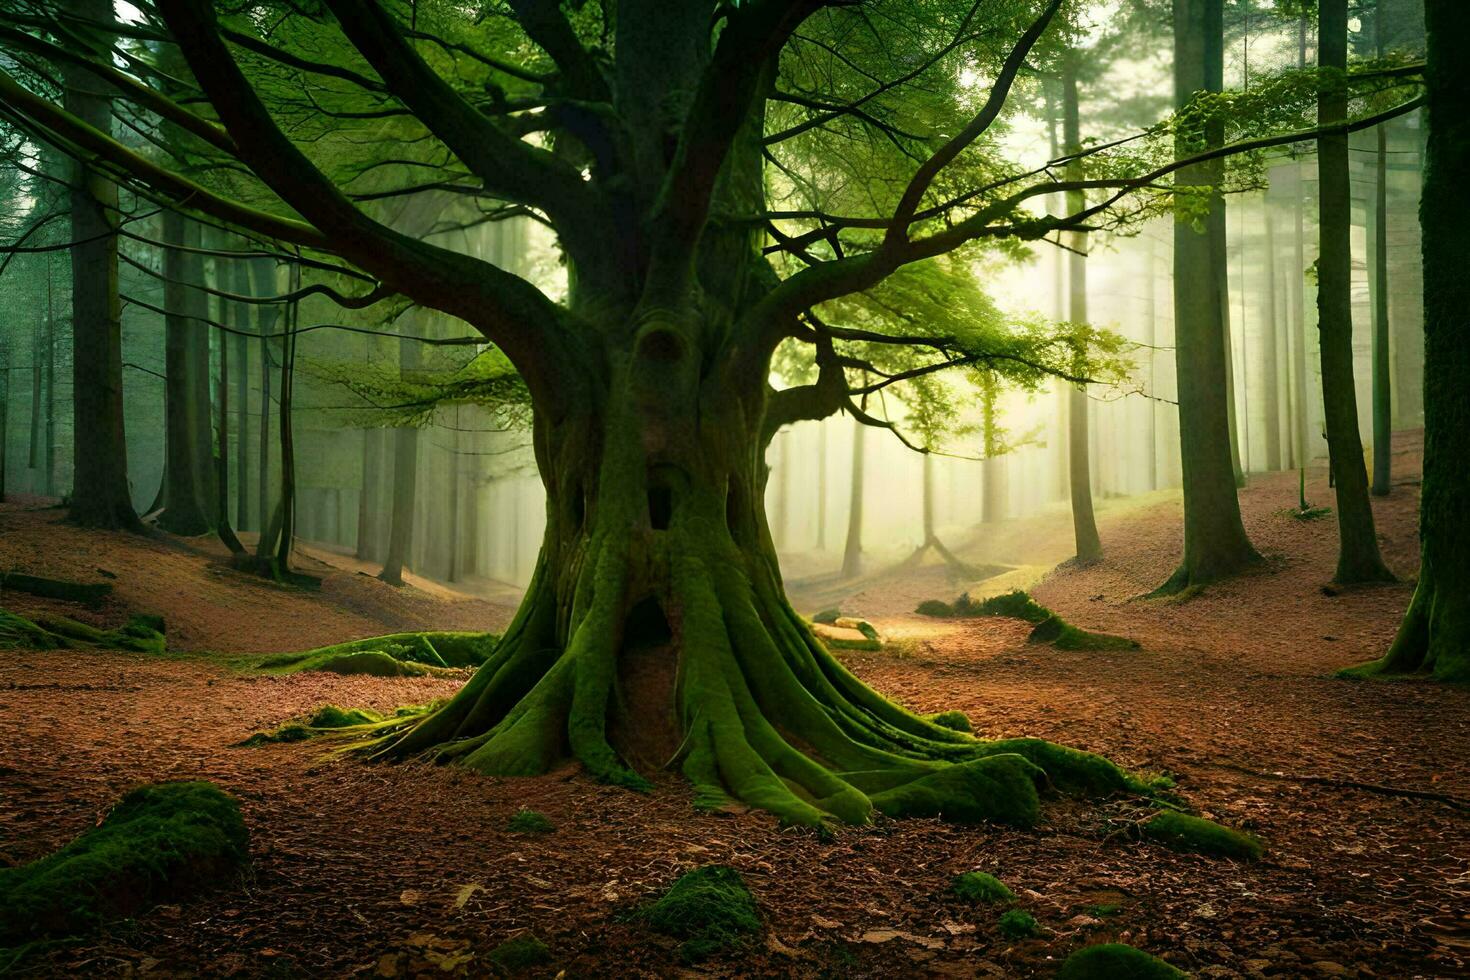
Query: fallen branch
[
  {"x": 1459, "y": 803},
  {"x": 87, "y": 593}
]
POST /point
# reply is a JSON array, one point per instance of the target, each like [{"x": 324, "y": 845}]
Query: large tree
[
  {"x": 687, "y": 157},
  {"x": 1435, "y": 635}
]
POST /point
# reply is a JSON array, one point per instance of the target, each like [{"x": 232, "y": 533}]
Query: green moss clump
[
  {"x": 998, "y": 788},
  {"x": 1018, "y": 924},
  {"x": 331, "y": 716},
  {"x": 292, "y": 731},
  {"x": 1064, "y": 636},
  {"x": 1016, "y": 604},
  {"x": 977, "y": 886},
  {"x": 520, "y": 953},
  {"x": 160, "y": 843},
  {"x": 395, "y": 655},
  {"x": 141, "y": 634},
  {"x": 1183, "y": 832},
  {"x": 709, "y": 908},
  {"x": 528, "y": 821},
  {"x": 828, "y": 616},
  {"x": 955, "y": 721},
  {"x": 1115, "y": 961},
  {"x": 935, "y": 607}
]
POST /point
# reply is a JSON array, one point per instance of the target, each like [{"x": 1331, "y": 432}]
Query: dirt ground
[{"x": 404, "y": 870}]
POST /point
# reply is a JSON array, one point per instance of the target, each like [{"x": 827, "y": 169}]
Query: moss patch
[
  {"x": 1115, "y": 961},
  {"x": 709, "y": 908},
  {"x": 955, "y": 721},
  {"x": 160, "y": 843},
  {"x": 998, "y": 788},
  {"x": 1018, "y": 924},
  {"x": 1183, "y": 832},
  {"x": 977, "y": 886},
  {"x": 325, "y": 720},
  {"x": 520, "y": 953},
  {"x": 528, "y": 821}
]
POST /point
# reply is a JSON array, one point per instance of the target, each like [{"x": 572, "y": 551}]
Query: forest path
[{"x": 368, "y": 870}]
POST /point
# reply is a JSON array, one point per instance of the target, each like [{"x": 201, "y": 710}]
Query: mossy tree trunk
[
  {"x": 1358, "y": 559},
  {"x": 188, "y": 496},
  {"x": 100, "y": 495},
  {"x": 1215, "y": 542},
  {"x": 1435, "y": 634}
]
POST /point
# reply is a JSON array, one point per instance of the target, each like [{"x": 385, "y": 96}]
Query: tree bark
[
  {"x": 1270, "y": 361},
  {"x": 239, "y": 280},
  {"x": 1079, "y": 465},
  {"x": 263, "y": 276},
  {"x": 1215, "y": 542},
  {"x": 1434, "y": 637},
  {"x": 1358, "y": 559},
  {"x": 100, "y": 495},
  {"x": 367, "y": 499},
  {"x": 1382, "y": 378}
]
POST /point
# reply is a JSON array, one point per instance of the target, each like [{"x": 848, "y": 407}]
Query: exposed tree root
[
  {"x": 143, "y": 634},
  {"x": 87, "y": 593}
]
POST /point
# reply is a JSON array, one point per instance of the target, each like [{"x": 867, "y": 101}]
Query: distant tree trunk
[
  {"x": 1435, "y": 635},
  {"x": 852, "y": 552},
  {"x": 782, "y": 523},
  {"x": 453, "y": 503},
  {"x": 239, "y": 280},
  {"x": 222, "y": 456},
  {"x": 367, "y": 498},
  {"x": 33, "y": 452},
  {"x": 100, "y": 496},
  {"x": 992, "y": 472},
  {"x": 405, "y": 479},
  {"x": 822, "y": 488},
  {"x": 1151, "y": 337},
  {"x": 1301, "y": 404},
  {"x": 4, "y": 413},
  {"x": 49, "y": 445},
  {"x": 1378, "y": 278},
  {"x": 1079, "y": 466},
  {"x": 288, "y": 440},
  {"x": 1215, "y": 543},
  {"x": 1270, "y": 365},
  {"x": 187, "y": 501},
  {"x": 263, "y": 276},
  {"x": 1216, "y": 227},
  {"x": 1358, "y": 559}
]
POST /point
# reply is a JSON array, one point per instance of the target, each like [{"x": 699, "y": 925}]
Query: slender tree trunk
[
  {"x": 1270, "y": 364},
  {"x": 1382, "y": 379},
  {"x": 263, "y": 276},
  {"x": 4, "y": 414},
  {"x": 405, "y": 479},
  {"x": 1358, "y": 558},
  {"x": 49, "y": 445},
  {"x": 992, "y": 470},
  {"x": 240, "y": 284},
  {"x": 852, "y": 551},
  {"x": 287, "y": 539},
  {"x": 822, "y": 488},
  {"x": 1215, "y": 543},
  {"x": 100, "y": 496},
  {"x": 185, "y": 493},
  {"x": 1434, "y": 637},
  {"x": 453, "y": 503},
  {"x": 1079, "y": 465},
  {"x": 367, "y": 498},
  {"x": 222, "y": 456},
  {"x": 1151, "y": 337},
  {"x": 34, "y": 453}
]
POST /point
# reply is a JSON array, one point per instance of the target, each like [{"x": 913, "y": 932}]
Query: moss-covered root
[
  {"x": 979, "y": 887},
  {"x": 955, "y": 721},
  {"x": 143, "y": 634},
  {"x": 393, "y": 655},
  {"x": 710, "y": 909},
  {"x": 1115, "y": 961},
  {"x": 1183, "y": 832},
  {"x": 160, "y": 843},
  {"x": 1048, "y": 626}
]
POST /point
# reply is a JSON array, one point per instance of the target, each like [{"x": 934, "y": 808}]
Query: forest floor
[{"x": 410, "y": 870}]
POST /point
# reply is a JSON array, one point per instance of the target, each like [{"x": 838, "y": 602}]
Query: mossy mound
[
  {"x": 977, "y": 886},
  {"x": 1018, "y": 604},
  {"x": 955, "y": 721},
  {"x": 709, "y": 908},
  {"x": 1197, "y": 835},
  {"x": 393, "y": 655},
  {"x": 521, "y": 953},
  {"x": 528, "y": 821},
  {"x": 142, "y": 634},
  {"x": 1018, "y": 924},
  {"x": 325, "y": 720},
  {"x": 161, "y": 843},
  {"x": 1116, "y": 961},
  {"x": 331, "y": 716}
]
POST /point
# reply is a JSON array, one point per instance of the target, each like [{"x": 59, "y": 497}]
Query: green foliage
[
  {"x": 977, "y": 886},
  {"x": 392, "y": 397},
  {"x": 709, "y": 908},
  {"x": 955, "y": 721},
  {"x": 160, "y": 843},
  {"x": 1018, "y": 924},
  {"x": 528, "y": 821},
  {"x": 1183, "y": 832},
  {"x": 521, "y": 953},
  {"x": 1116, "y": 961}
]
